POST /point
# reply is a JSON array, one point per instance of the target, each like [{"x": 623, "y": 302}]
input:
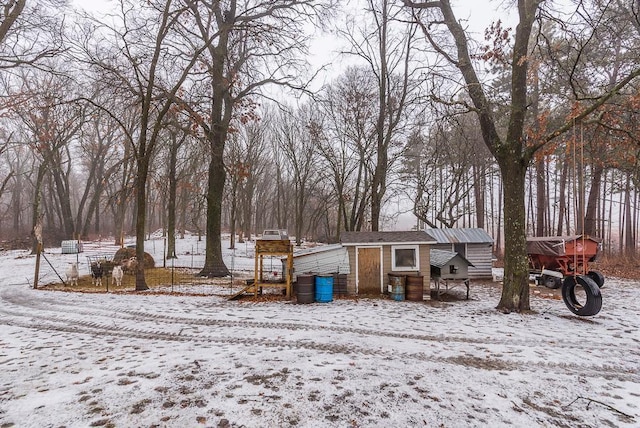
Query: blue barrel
[
  {"x": 324, "y": 288},
  {"x": 396, "y": 286},
  {"x": 397, "y": 292}
]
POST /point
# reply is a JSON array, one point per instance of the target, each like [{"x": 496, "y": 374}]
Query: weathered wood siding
[
  {"x": 424, "y": 267},
  {"x": 351, "y": 276}
]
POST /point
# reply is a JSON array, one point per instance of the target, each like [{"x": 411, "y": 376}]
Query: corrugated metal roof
[
  {"x": 440, "y": 258},
  {"x": 473, "y": 235},
  {"x": 393, "y": 237},
  {"x": 318, "y": 249}
]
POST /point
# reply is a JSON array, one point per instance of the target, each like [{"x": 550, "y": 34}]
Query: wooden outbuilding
[
  {"x": 473, "y": 244},
  {"x": 375, "y": 255}
]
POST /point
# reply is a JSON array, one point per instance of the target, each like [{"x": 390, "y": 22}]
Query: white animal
[
  {"x": 117, "y": 275},
  {"x": 130, "y": 265},
  {"x": 72, "y": 274}
]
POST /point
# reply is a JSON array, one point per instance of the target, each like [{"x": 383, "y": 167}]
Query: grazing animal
[
  {"x": 130, "y": 265},
  {"x": 117, "y": 275},
  {"x": 72, "y": 274},
  {"x": 97, "y": 271}
]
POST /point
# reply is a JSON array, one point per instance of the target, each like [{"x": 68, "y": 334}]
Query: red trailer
[{"x": 552, "y": 258}]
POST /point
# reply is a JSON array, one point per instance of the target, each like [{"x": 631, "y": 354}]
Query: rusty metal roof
[
  {"x": 394, "y": 237},
  {"x": 473, "y": 235}
]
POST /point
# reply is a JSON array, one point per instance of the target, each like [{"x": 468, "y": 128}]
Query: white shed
[{"x": 322, "y": 260}]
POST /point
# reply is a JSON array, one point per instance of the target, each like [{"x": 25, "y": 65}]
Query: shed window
[{"x": 405, "y": 257}]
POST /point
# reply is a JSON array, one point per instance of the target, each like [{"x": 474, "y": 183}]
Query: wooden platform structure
[{"x": 267, "y": 248}]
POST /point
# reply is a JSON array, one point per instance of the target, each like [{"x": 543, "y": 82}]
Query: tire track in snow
[{"x": 118, "y": 321}]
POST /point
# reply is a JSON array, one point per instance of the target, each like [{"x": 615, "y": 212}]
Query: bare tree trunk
[
  {"x": 562, "y": 198},
  {"x": 541, "y": 196},
  {"x": 171, "y": 203},
  {"x": 214, "y": 265},
  {"x": 36, "y": 216},
  {"x": 140, "y": 219},
  {"x": 479, "y": 191},
  {"x": 590, "y": 217},
  {"x": 516, "y": 265},
  {"x": 629, "y": 241}
]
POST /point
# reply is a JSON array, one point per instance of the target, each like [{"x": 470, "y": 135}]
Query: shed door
[{"x": 369, "y": 280}]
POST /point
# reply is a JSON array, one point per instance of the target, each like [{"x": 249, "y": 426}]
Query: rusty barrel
[
  {"x": 305, "y": 288},
  {"x": 396, "y": 286},
  {"x": 414, "y": 288},
  {"x": 339, "y": 284}
]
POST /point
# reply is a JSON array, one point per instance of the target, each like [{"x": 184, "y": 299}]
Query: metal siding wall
[
  {"x": 482, "y": 257},
  {"x": 325, "y": 262}
]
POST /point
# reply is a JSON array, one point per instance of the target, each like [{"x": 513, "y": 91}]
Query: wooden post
[
  {"x": 37, "y": 274},
  {"x": 256, "y": 279},
  {"x": 289, "y": 271}
]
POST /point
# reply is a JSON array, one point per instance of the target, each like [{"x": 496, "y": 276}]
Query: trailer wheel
[
  {"x": 597, "y": 277},
  {"x": 593, "y": 302},
  {"x": 551, "y": 281}
]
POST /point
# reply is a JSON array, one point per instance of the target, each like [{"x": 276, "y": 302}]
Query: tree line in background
[{"x": 200, "y": 116}]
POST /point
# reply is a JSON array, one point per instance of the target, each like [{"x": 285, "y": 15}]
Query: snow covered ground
[{"x": 149, "y": 360}]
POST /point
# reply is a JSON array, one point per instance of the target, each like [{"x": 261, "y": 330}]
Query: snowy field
[{"x": 149, "y": 360}]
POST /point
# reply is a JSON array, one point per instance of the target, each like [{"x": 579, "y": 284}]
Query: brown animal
[{"x": 123, "y": 254}]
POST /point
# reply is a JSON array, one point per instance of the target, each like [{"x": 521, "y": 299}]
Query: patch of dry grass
[{"x": 155, "y": 278}]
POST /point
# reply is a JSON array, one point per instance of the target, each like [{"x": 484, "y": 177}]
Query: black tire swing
[
  {"x": 597, "y": 277},
  {"x": 592, "y": 281},
  {"x": 593, "y": 303}
]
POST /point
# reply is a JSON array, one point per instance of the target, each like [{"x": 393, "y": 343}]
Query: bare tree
[
  {"x": 388, "y": 52},
  {"x": 513, "y": 152},
  {"x": 250, "y": 52},
  {"x": 53, "y": 124},
  {"x": 148, "y": 68},
  {"x": 30, "y": 33},
  {"x": 298, "y": 136},
  {"x": 444, "y": 169},
  {"x": 349, "y": 104}
]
